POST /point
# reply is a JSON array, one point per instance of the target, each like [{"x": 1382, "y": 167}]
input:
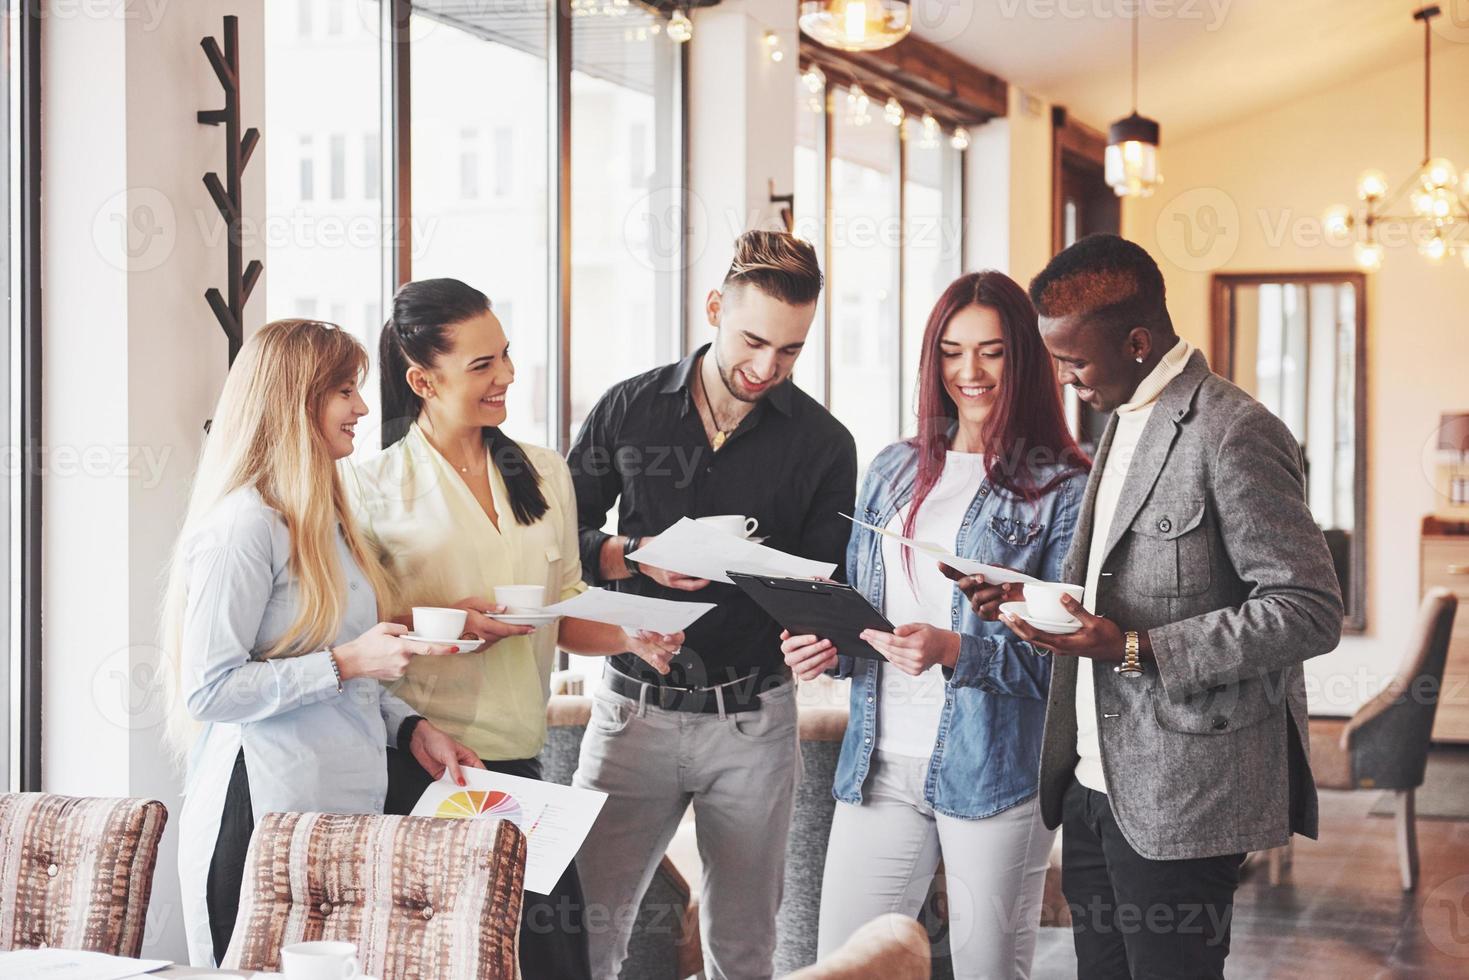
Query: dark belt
[{"x": 739, "y": 695}]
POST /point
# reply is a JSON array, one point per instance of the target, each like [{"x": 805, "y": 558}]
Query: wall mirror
[{"x": 1297, "y": 342}]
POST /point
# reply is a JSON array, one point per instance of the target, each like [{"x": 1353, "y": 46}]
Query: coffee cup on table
[
  {"x": 320, "y": 961},
  {"x": 1043, "y": 601},
  {"x": 438, "y": 623},
  {"x": 736, "y": 524},
  {"x": 520, "y": 598}
]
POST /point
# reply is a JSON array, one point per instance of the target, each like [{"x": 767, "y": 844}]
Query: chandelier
[
  {"x": 1435, "y": 192},
  {"x": 856, "y": 25},
  {"x": 1130, "y": 164}
]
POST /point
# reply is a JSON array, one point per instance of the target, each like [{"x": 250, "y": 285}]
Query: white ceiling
[{"x": 1203, "y": 62}]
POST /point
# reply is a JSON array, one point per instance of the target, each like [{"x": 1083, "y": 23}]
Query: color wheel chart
[{"x": 467, "y": 804}]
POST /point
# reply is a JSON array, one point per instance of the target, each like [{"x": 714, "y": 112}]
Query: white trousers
[{"x": 883, "y": 853}]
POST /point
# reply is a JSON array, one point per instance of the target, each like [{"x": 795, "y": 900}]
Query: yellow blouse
[{"x": 438, "y": 546}]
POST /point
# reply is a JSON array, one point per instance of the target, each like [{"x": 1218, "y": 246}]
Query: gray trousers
[
  {"x": 740, "y": 772},
  {"x": 882, "y": 855}
]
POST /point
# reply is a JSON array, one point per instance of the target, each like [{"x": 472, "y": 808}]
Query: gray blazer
[{"x": 1214, "y": 553}]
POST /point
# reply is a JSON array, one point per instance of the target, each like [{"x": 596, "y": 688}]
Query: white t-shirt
[
  {"x": 909, "y": 708},
  {"x": 1132, "y": 418}
]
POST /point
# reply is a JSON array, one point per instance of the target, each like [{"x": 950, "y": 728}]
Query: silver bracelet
[{"x": 331, "y": 656}]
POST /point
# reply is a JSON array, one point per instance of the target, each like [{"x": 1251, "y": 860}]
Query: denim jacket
[{"x": 987, "y": 753}]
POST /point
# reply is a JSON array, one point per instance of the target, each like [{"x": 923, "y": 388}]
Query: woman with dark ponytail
[{"x": 454, "y": 508}]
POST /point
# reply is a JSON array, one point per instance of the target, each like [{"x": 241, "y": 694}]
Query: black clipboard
[{"x": 834, "y": 612}]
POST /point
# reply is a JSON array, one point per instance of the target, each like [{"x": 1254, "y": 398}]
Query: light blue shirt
[{"x": 307, "y": 746}]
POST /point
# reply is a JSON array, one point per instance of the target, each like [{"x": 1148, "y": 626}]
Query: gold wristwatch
[{"x": 1131, "y": 666}]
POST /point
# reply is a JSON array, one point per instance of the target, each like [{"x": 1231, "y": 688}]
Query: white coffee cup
[
  {"x": 437, "y": 623},
  {"x": 739, "y": 526},
  {"x": 1043, "y": 601},
  {"x": 518, "y": 597},
  {"x": 320, "y": 960}
]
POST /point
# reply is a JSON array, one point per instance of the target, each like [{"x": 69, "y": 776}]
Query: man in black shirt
[{"x": 724, "y": 431}]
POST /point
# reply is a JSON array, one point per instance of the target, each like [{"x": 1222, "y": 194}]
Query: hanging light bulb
[
  {"x": 1369, "y": 256},
  {"x": 1372, "y": 185},
  {"x": 1337, "y": 221},
  {"x": 772, "y": 47},
  {"x": 960, "y": 139},
  {"x": 857, "y": 103},
  {"x": 680, "y": 28},
  {"x": 814, "y": 79},
  {"x": 893, "y": 112},
  {"x": 1130, "y": 163},
  {"x": 855, "y": 25},
  {"x": 1439, "y": 172},
  {"x": 1434, "y": 249},
  {"x": 930, "y": 132}
]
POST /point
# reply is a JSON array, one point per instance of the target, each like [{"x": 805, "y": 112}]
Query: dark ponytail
[{"x": 418, "y": 333}]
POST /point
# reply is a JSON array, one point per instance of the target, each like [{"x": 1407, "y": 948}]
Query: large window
[
  {"x": 10, "y": 248},
  {"x": 627, "y": 206},
  {"x": 323, "y": 230},
  {"x": 485, "y": 166},
  {"x": 480, "y": 212},
  {"x": 863, "y": 281},
  {"x": 893, "y": 243}
]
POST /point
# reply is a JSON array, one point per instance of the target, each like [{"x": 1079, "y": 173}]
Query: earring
[{"x": 1139, "y": 360}]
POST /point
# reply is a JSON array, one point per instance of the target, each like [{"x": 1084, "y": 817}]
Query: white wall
[
  {"x": 1250, "y": 195},
  {"x": 132, "y": 364},
  {"x": 1009, "y": 190},
  {"x": 742, "y": 127}
]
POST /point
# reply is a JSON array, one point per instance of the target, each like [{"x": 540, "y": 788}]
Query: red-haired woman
[{"x": 943, "y": 744}]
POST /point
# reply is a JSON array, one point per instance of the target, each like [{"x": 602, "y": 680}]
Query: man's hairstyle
[
  {"x": 1110, "y": 279},
  {"x": 778, "y": 264}
]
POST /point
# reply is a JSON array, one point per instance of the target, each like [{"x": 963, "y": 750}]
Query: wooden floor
[{"x": 1340, "y": 911}]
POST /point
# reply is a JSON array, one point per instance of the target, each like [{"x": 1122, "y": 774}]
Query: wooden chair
[
  {"x": 77, "y": 872},
  {"x": 1384, "y": 746},
  {"x": 421, "y": 897}
]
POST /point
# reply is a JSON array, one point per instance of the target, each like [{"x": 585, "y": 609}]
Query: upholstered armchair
[
  {"x": 1384, "y": 746},
  {"x": 890, "y": 947},
  {"x": 77, "y": 872},
  {"x": 421, "y": 897}
]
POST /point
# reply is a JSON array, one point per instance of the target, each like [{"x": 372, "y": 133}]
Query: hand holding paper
[
  {"x": 993, "y": 574},
  {"x": 704, "y": 552},
  {"x": 631, "y": 612}
]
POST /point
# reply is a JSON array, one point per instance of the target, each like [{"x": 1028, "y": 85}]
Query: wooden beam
[{"x": 919, "y": 74}]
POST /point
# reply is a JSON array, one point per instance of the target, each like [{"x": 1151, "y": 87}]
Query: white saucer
[
  {"x": 465, "y": 646},
  {"x": 1018, "y": 610},
  {"x": 526, "y": 619}
]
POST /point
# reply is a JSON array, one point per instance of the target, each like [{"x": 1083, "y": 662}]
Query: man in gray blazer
[{"x": 1176, "y": 738}]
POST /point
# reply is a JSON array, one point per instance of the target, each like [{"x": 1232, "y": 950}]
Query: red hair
[{"x": 1025, "y": 430}]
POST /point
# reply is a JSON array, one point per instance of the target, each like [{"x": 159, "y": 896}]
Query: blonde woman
[
  {"x": 456, "y": 508},
  {"x": 274, "y": 649}
]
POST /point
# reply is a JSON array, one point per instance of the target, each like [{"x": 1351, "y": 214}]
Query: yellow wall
[{"x": 1250, "y": 195}]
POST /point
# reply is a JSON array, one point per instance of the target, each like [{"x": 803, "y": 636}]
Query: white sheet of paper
[
  {"x": 692, "y": 548},
  {"x": 554, "y": 818},
  {"x": 633, "y": 612},
  {"x": 991, "y": 573},
  {"x": 73, "y": 964}
]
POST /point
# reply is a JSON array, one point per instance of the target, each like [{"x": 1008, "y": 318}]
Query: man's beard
[{"x": 734, "y": 387}]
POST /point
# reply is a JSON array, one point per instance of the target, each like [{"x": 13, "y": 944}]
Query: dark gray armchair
[{"x": 1384, "y": 746}]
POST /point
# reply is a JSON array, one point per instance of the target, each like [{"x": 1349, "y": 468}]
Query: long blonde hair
[{"x": 266, "y": 435}]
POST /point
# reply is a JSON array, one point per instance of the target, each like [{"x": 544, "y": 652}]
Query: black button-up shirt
[{"x": 789, "y": 464}]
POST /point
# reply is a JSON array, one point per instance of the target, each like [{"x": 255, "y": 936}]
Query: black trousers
[
  {"x": 227, "y": 866},
  {"x": 553, "y": 935},
  {"x": 1136, "y": 918}
]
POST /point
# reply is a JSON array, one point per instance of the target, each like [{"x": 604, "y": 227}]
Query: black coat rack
[{"x": 227, "y": 196}]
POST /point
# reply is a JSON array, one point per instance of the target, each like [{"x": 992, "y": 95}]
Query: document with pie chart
[{"x": 554, "y": 818}]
